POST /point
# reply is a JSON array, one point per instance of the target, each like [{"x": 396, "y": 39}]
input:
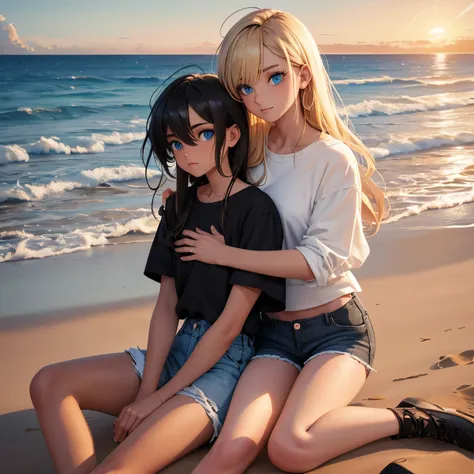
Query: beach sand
[{"x": 417, "y": 288}]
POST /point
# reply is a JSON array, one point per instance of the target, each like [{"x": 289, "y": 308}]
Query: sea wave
[
  {"x": 443, "y": 201},
  {"x": 82, "y": 145},
  {"x": 118, "y": 174},
  {"x": 12, "y": 154},
  {"x": 406, "y": 104},
  {"x": 405, "y": 81},
  {"x": 55, "y": 113},
  {"x": 36, "y": 192},
  {"x": 23, "y": 245},
  {"x": 399, "y": 146}
]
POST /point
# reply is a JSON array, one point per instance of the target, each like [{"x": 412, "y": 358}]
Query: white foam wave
[
  {"x": 13, "y": 154},
  {"x": 407, "y": 104},
  {"x": 36, "y": 192},
  {"x": 443, "y": 201},
  {"x": 82, "y": 145},
  {"x": 117, "y": 138},
  {"x": 369, "y": 80},
  {"x": 120, "y": 173},
  {"x": 398, "y": 146},
  {"x": 409, "y": 80},
  {"x": 49, "y": 245},
  {"x": 37, "y": 110},
  {"x": 52, "y": 145},
  {"x": 138, "y": 121}
]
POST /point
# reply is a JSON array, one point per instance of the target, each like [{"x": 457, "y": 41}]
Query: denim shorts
[
  {"x": 346, "y": 330},
  {"x": 213, "y": 390}
]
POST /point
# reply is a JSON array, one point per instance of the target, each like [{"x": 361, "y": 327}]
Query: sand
[{"x": 417, "y": 287}]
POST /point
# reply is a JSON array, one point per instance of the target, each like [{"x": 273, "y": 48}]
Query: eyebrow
[
  {"x": 269, "y": 67},
  {"x": 192, "y": 128}
]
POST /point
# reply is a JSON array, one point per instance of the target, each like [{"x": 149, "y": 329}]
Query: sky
[{"x": 193, "y": 27}]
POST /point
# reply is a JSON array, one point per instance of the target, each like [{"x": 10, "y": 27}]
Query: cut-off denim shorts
[
  {"x": 346, "y": 330},
  {"x": 213, "y": 390}
]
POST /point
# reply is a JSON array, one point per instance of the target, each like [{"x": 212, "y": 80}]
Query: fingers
[
  {"x": 214, "y": 231},
  {"x": 201, "y": 232},
  {"x": 185, "y": 250},
  {"x": 188, "y": 242},
  {"x": 190, "y": 233},
  {"x": 121, "y": 427},
  {"x": 189, "y": 258}
]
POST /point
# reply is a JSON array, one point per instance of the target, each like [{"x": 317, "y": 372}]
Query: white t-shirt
[{"x": 317, "y": 191}]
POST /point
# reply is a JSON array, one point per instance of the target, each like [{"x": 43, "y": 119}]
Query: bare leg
[
  {"x": 255, "y": 407},
  {"x": 316, "y": 424},
  {"x": 176, "y": 428},
  {"x": 59, "y": 392}
]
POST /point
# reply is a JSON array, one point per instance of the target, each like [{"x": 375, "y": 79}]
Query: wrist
[
  {"x": 159, "y": 397},
  {"x": 224, "y": 258},
  {"x": 146, "y": 390}
]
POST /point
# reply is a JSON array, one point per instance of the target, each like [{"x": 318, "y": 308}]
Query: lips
[{"x": 264, "y": 110}]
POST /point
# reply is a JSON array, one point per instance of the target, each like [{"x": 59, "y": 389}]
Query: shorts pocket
[
  {"x": 349, "y": 316},
  {"x": 236, "y": 350},
  {"x": 240, "y": 351}
]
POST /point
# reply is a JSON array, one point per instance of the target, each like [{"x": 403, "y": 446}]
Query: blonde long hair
[{"x": 240, "y": 57}]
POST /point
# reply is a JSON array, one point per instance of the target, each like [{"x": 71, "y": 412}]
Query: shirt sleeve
[
  {"x": 263, "y": 232},
  {"x": 161, "y": 259},
  {"x": 335, "y": 241}
]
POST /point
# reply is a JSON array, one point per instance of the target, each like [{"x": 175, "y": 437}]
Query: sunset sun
[{"x": 436, "y": 35}]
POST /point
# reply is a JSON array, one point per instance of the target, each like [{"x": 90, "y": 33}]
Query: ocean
[{"x": 71, "y": 128}]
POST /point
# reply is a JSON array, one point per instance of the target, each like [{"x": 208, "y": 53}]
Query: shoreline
[{"x": 113, "y": 274}]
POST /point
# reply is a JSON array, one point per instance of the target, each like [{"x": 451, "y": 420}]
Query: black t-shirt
[{"x": 252, "y": 222}]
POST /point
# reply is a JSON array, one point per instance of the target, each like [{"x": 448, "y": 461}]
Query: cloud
[
  {"x": 327, "y": 34},
  {"x": 123, "y": 38},
  {"x": 10, "y": 42},
  {"x": 460, "y": 45}
]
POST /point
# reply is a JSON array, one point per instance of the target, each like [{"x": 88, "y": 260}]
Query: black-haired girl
[{"x": 173, "y": 397}]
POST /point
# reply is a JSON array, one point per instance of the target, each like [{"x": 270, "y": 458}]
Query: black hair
[{"x": 209, "y": 99}]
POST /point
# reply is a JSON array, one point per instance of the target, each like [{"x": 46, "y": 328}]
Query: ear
[
  {"x": 233, "y": 135},
  {"x": 305, "y": 76}
]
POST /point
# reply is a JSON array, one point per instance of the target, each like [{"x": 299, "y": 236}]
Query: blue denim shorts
[
  {"x": 213, "y": 390},
  {"x": 346, "y": 330}
]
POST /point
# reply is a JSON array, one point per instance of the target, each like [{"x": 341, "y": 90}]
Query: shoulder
[
  {"x": 258, "y": 201},
  {"x": 338, "y": 156},
  {"x": 339, "y": 166}
]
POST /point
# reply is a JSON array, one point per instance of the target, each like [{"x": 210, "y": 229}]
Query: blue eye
[
  {"x": 245, "y": 90},
  {"x": 176, "y": 146},
  {"x": 206, "y": 135},
  {"x": 276, "y": 78}
]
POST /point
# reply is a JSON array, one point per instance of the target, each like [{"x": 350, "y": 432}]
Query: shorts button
[
  {"x": 195, "y": 325},
  {"x": 297, "y": 326}
]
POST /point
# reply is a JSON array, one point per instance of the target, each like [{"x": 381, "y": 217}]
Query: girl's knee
[
  {"x": 42, "y": 383},
  {"x": 291, "y": 452},
  {"x": 46, "y": 383},
  {"x": 227, "y": 457}
]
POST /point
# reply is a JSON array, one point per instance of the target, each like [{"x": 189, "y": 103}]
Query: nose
[{"x": 256, "y": 98}]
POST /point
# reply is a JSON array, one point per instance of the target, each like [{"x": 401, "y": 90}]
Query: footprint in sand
[
  {"x": 466, "y": 392},
  {"x": 453, "y": 360}
]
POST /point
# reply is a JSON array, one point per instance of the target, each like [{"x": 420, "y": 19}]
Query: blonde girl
[{"x": 312, "y": 359}]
